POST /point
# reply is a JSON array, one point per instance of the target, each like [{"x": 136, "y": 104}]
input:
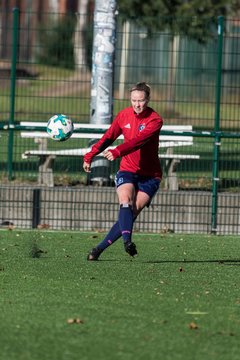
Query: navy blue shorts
[{"x": 146, "y": 184}]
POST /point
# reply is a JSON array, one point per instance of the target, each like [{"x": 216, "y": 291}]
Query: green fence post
[
  {"x": 217, "y": 130},
  {"x": 15, "y": 31}
]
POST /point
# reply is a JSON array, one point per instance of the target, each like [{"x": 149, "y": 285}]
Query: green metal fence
[{"x": 45, "y": 69}]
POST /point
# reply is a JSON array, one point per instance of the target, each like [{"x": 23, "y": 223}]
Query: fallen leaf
[
  {"x": 43, "y": 226},
  {"x": 196, "y": 312},
  {"x": 75, "y": 321},
  {"x": 193, "y": 326}
]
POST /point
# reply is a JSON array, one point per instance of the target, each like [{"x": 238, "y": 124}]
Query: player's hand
[
  {"x": 108, "y": 155},
  {"x": 86, "y": 167}
]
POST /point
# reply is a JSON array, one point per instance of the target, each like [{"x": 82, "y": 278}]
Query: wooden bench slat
[
  {"x": 178, "y": 140},
  {"x": 46, "y": 157},
  {"x": 83, "y": 151},
  {"x": 172, "y": 141},
  {"x": 178, "y": 128}
]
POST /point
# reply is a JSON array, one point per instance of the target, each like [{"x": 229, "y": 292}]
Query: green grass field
[{"x": 178, "y": 299}]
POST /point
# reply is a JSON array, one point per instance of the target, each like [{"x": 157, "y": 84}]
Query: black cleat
[
  {"x": 130, "y": 248},
  {"x": 94, "y": 254}
]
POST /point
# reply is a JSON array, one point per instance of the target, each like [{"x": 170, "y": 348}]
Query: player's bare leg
[{"x": 141, "y": 200}]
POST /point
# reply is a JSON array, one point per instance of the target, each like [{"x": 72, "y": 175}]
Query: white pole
[
  {"x": 124, "y": 58},
  {"x": 104, "y": 36},
  {"x": 103, "y": 61}
]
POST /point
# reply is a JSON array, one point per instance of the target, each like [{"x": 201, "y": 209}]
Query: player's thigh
[
  {"x": 142, "y": 199},
  {"x": 126, "y": 193}
]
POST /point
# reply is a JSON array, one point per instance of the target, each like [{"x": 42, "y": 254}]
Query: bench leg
[
  {"x": 171, "y": 182},
  {"x": 45, "y": 170}
]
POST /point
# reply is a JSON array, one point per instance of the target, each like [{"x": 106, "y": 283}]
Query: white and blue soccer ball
[{"x": 60, "y": 127}]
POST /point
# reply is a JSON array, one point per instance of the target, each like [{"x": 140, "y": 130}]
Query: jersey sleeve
[
  {"x": 106, "y": 140},
  {"x": 152, "y": 128}
]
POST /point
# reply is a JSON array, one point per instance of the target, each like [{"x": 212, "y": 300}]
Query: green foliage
[
  {"x": 179, "y": 299},
  {"x": 193, "y": 18},
  {"x": 56, "y": 42}
]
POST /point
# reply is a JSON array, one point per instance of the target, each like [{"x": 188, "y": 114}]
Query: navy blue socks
[
  {"x": 125, "y": 219},
  {"x": 113, "y": 235},
  {"x": 123, "y": 227}
]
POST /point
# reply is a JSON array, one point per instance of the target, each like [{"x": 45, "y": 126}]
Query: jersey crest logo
[{"x": 141, "y": 127}]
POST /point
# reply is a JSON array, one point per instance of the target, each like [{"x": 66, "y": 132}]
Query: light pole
[{"x": 102, "y": 79}]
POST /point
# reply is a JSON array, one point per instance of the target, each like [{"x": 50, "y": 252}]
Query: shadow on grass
[
  {"x": 219, "y": 262},
  {"x": 233, "y": 262}
]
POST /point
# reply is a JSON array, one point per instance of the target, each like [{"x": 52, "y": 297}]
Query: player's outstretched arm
[{"x": 86, "y": 167}]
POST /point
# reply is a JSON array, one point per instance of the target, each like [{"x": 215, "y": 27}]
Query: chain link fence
[{"x": 45, "y": 68}]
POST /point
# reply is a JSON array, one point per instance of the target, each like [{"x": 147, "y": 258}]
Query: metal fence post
[
  {"x": 15, "y": 31},
  {"x": 36, "y": 210},
  {"x": 217, "y": 129}
]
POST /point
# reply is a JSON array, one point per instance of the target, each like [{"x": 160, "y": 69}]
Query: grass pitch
[{"x": 179, "y": 299}]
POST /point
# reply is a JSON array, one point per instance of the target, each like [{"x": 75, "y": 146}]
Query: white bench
[{"x": 46, "y": 157}]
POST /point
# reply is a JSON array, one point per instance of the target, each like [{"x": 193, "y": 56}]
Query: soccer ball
[{"x": 60, "y": 127}]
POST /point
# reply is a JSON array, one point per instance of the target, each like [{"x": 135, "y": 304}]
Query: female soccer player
[{"x": 139, "y": 175}]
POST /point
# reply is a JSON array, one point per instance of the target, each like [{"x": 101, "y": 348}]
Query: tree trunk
[{"x": 79, "y": 44}]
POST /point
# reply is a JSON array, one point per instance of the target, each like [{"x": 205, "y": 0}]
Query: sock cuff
[{"x": 126, "y": 206}]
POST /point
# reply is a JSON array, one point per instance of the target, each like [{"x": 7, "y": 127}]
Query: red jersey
[{"x": 139, "y": 150}]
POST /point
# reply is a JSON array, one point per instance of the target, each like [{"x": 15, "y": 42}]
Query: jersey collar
[{"x": 142, "y": 114}]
